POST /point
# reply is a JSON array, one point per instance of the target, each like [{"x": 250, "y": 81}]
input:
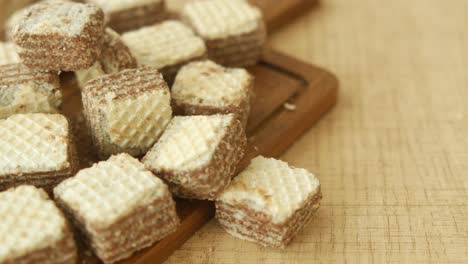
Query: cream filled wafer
[
  {"x": 166, "y": 46},
  {"x": 118, "y": 206},
  {"x": 205, "y": 87},
  {"x": 59, "y": 35},
  {"x": 269, "y": 202},
  {"x": 198, "y": 155},
  {"x": 35, "y": 149},
  {"x": 127, "y": 111},
  {"x": 33, "y": 229},
  {"x": 23, "y": 90},
  {"x": 228, "y": 26}
]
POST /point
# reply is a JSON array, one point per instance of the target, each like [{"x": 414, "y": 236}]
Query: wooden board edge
[{"x": 325, "y": 84}]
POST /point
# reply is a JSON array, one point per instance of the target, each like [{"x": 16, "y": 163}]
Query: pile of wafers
[{"x": 166, "y": 102}]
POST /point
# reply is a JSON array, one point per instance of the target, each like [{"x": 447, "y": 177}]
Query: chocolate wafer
[
  {"x": 33, "y": 229},
  {"x": 60, "y": 35},
  {"x": 234, "y": 31},
  {"x": 205, "y": 88},
  {"x": 35, "y": 149},
  {"x": 198, "y": 155},
  {"x": 166, "y": 46},
  {"x": 269, "y": 202},
  {"x": 23, "y": 90},
  {"x": 115, "y": 57},
  {"x": 118, "y": 206},
  {"x": 127, "y": 111}
]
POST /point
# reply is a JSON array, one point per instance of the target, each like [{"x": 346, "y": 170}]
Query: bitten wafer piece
[
  {"x": 269, "y": 202},
  {"x": 35, "y": 149},
  {"x": 119, "y": 207},
  {"x": 125, "y": 15},
  {"x": 234, "y": 31},
  {"x": 60, "y": 35},
  {"x": 23, "y": 90},
  {"x": 127, "y": 111},
  {"x": 33, "y": 229},
  {"x": 8, "y": 54},
  {"x": 115, "y": 57},
  {"x": 166, "y": 46},
  {"x": 205, "y": 88},
  {"x": 198, "y": 155}
]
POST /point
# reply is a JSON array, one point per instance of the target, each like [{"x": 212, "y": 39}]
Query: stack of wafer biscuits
[
  {"x": 115, "y": 57},
  {"x": 23, "y": 90},
  {"x": 205, "y": 88},
  {"x": 127, "y": 111},
  {"x": 234, "y": 31},
  {"x": 119, "y": 207},
  {"x": 166, "y": 46},
  {"x": 35, "y": 149},
  {"x": 33, "y": 230},
  {"x": 8, "y": 54},
  {"x": 60, "y": 35},
  {"x": 198, "y": 155},
  {"x": 269, "y": 202},
  {"x": 125, "y": 15}
]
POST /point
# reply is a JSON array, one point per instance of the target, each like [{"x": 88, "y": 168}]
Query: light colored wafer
[
  {"x": 226, "y": 24},
  {"x": 35, "y": 149},
  {"x": 23, "y": 90},
  {"x": 205, "y": 87},
  {"x": 119, "y": 206},
  {"x": 197, "y": 155},
  {"x": 127, "y": 111},
  {"x": 33, "y": 229},
  {"x": 60, "y": 35},
  {"x": 269, "y": 202},
  {"x": 165, "y": 45},
  {"x": 8, "y": 54},
  {"x": 125, "y": 15},
  {"x": 115, "y": 57}
]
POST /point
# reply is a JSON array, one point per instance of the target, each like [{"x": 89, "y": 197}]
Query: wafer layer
[
  {"x": 234, "y": 31},
  {"x": 166, "y": 46},
  {"x": 118, "y": 206},
  {"x": 269, "y": 202},
  {"x": 23, "y": 90},
  {"x": 127, "y": 15},
  {"x": 197, "y": 155},
  {"x": 127, "y": 111},
  {"x": 208, "y": 88},
  {"x": 35, "y": 149},
  {"x": 33, "y": 229},
  {"x": 60, "y": 35}
]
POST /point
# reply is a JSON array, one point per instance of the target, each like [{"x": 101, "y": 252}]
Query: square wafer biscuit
[
  {"x": 8, "y": 8},
  {"x": 33, "y": 230},
  {"x": 166, "y": 46},
  {"x": 23, "y": 90},
  {"x": 205, "y": 88},
  {"x": 119, "y": 207},
  {"x": 60, "y": 35},
  {"x": 127, "y": 111},
  {"x": 8, "y": 54},
  {"x": 234, "y": 31},
  {"x": 115, "y": 57},
  {"x": 35, "y": 149},
  {"x": 125, "y": 15},
  {"x": 198, "y": 155},
  {"x": 269, "y": 202}
]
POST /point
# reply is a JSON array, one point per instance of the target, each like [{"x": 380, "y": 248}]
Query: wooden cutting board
[{"x": 289, "y": 97}]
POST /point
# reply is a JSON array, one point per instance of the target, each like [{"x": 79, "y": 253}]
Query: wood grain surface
[{"x": 392, "y": 156}]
